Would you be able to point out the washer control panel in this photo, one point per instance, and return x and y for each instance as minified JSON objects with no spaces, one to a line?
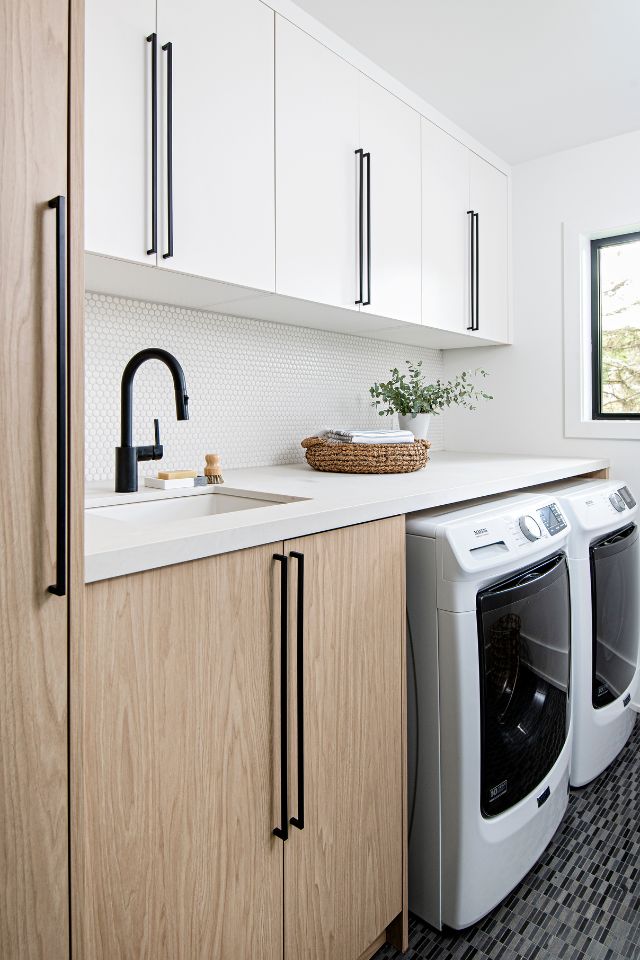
{"x":530,"y":527}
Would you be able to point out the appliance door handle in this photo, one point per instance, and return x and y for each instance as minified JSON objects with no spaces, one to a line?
{"x":472,"y":285}
{"x":282,"y":832}
{"x":476,"y":271}
{"x":299,"y":820}
{"x":59,"y":588}
{"x":168,"y":48}
{"x":360,"y":154}
{"x":153,"y":40}
{"x":367,"y":157}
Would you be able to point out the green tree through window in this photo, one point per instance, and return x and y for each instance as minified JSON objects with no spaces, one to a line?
{"x":615,"y":265}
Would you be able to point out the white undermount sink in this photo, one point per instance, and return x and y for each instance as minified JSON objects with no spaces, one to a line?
{"x":211,"y":503}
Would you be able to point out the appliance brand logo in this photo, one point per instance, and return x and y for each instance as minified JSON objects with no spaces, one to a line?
{"x":481,"y":531}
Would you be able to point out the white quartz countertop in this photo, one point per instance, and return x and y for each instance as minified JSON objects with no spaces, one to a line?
{"x":327,"y":500}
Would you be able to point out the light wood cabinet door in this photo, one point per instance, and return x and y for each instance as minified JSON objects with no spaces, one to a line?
{"x":317,"y":134}
{"x":222,"y":139}
{"x":178,"y":720}
{"x":118,"y":128}
{"x":37,"y":165}
{"x":390,"y":134}
{"x":344,"y":872}
{"x":445,"y":231}
{"x":489,"y":195}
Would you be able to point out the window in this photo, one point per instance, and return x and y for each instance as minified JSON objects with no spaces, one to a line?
{"x":615,"y":327}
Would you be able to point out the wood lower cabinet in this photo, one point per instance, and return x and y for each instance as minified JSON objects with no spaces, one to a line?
{"x":343,"y":874}
{"x":180,"y":761}
{"x":177,"y":786}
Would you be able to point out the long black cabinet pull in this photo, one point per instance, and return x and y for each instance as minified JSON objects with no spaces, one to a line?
{"x":153,"y":40}
{"x":168,"y":48}
{"x":299,"y":820}
{"x":472,"y":311}
{"x":365,"y":303}
{"x":282,"y":832}
{"x":59,"y":588}
{"x":360,"y":154}
{"x":476,"y":218}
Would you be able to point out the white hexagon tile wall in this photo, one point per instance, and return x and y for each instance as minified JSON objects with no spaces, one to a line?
{"x":256,"y":389}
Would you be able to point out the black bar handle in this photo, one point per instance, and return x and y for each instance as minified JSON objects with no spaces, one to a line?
{"x":472,"y":325}
{"x":360,"y":154}
{"x":282,"y":832}
{"x":476,"y":217}
{"x":59,"y":588}
{"x":299,"y":820}
{"x":153,"y":40}
{"x":168,"y":47}
{"x":365,"y":303}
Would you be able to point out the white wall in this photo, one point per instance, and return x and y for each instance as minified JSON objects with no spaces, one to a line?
{"x":597,"y":184}
{"x":256,"y":389}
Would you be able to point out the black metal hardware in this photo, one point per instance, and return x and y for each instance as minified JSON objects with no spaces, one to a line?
{"x":168,"y":47}
{"x":299,"y":820}
{"x":360,"y":153}
{"x":59,"y":588}
{"x":127,"y":456}
{"x":156,"y":431}
{"x":471,"y":326}
{"x":282,"y":832}
{"x":365,"y":303}
{"x":153,"y":40}
{"x":476,"y":218}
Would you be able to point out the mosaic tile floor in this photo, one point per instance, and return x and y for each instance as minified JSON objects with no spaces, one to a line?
{"x":581,"y":900}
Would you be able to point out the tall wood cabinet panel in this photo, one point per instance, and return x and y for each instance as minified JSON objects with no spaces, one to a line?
{"x":118,"y":128}
{"x":317,"y":133}
{"x":343,"y":874}
{"x":445,"y":230}
{"x":390,"y":133}
{"x":178,"y":783}
{"x":38,"y":243}
{"x":223,"y":139}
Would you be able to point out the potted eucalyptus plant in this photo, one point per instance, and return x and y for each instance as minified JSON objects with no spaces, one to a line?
{"x":415,"y":400}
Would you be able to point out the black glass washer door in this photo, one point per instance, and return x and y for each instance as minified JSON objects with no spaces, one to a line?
{"x":524,"y":633}
{"x":614,"y":595}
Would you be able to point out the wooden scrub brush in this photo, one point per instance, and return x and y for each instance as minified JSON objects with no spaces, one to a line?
{"x":213,"y":470}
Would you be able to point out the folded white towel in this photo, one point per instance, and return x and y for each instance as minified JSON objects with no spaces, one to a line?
{"x":370,"y":436}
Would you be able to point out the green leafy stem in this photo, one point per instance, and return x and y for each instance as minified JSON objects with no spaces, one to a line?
{"x":410,"y":394}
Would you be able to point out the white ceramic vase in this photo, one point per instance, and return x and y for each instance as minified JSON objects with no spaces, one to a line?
{"x":419,"y":425}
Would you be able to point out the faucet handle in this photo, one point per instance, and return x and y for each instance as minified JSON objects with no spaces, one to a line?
{"x":156,"y":430}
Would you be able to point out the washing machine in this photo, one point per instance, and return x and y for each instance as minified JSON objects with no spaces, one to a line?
{"x":604,"y":570}
{"x":489,"y":731}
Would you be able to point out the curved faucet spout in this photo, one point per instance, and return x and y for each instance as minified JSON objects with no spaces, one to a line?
{"x":128,"y":456}
{"x":126,"y":390}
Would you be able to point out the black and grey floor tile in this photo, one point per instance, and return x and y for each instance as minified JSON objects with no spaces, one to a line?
{"x":581,"y":900}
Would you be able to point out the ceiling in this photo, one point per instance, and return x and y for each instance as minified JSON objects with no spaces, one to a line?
{"x":524,"y":77}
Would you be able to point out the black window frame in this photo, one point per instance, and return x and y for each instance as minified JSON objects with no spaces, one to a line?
{"x":596,"y":327}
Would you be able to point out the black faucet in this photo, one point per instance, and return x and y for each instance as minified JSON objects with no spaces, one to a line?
{"x":127,"y":456}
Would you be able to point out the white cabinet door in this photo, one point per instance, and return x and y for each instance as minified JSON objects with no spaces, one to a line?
{"x":390,"y":133}
{"x":489,"y":198}
{"x":222,"y":139}
{"x":118,"y":128}
{"x":316,"y":170}
{"x":445,"y":230}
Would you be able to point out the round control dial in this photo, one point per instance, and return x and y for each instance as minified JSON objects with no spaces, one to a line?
{"x":530,"y":527}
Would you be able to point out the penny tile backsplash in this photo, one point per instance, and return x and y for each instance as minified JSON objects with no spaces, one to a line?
{"x":256,"y":389}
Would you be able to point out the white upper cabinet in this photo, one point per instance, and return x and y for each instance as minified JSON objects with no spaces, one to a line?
{"x":390,"y":139}
{"x":489,"y":199}
{"x":222,"y":140}
{"x":445,"y":231}
{"x":316,"y":170}
{"x":118,"y":128}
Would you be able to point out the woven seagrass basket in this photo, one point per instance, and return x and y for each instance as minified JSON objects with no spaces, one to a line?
{"x":332,"y":457}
